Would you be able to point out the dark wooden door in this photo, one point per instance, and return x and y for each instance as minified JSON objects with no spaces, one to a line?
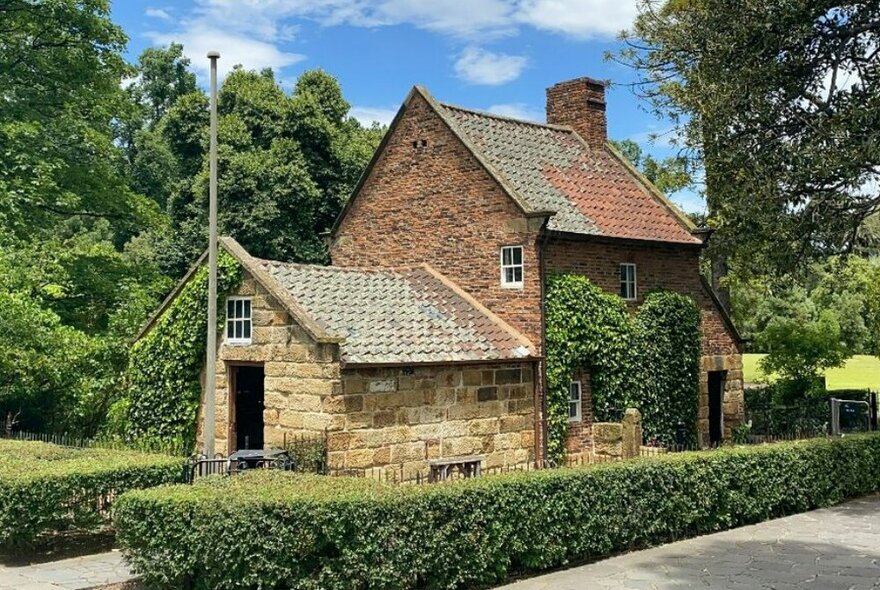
{"x":716,"y":406}
{"x":249,"y":397}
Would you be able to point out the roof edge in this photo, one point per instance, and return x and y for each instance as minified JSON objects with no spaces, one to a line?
{"x":450,"y":284}
{"x":234,"y":249}
{"x":312,"y":328}
{"x":652,"y":190}
{"x":369,"y":169}
{"x":488,"y":167}
{"x":725,"y":316}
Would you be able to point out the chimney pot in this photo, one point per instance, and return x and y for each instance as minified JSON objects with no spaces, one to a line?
{"x":580,"y":104}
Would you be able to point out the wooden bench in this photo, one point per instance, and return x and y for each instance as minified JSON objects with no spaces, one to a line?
{"x":442,"y":469}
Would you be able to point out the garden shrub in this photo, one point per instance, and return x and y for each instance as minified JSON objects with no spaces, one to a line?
{"x":163,"y":374}
{"x":286,"y":531}
{"x":45,"y":487}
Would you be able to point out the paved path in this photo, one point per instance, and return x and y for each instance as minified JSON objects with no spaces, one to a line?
{"x":831,"y":549}
{"x":76,"y":573}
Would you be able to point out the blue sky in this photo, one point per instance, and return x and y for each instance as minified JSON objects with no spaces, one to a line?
{"x":496,"y":55}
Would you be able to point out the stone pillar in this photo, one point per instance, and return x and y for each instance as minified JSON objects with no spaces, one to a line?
{"x":607,"y":440}
{"x":632,"y":433}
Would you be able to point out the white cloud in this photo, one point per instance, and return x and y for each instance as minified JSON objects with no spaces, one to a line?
{"x":367,"y":115}
{"x":479,"y":66}
{"x":234,"y":48}
{"x":157,"y":13}
{"x":578,"y":18}
{"x":517,"y":110}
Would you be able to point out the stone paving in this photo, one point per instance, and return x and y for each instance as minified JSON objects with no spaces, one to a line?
{"x":830,"y":549}
{"x":76,"y":573}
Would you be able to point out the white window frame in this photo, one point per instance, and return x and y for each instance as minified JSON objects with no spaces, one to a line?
{"x":232,"y":321}
{"x":579,"y":402}
{"x":625,"y":283}
{"x":521,"y":266}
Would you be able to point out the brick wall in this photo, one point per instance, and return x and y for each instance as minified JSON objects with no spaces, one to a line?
{"x":436,"y":204}
{"x":580,"y":104}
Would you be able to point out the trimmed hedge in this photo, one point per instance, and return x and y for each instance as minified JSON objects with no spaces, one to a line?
{"x":45,"y":487}
{"x":286,"y":531}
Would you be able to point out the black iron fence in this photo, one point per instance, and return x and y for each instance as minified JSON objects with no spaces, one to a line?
{"x":160,"y":447}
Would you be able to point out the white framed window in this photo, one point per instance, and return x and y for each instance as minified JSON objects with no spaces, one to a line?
{"x":628,"y":284}
{"x":512,"y":267}
{"x":574,"y":401}
{"x":238,"y":320}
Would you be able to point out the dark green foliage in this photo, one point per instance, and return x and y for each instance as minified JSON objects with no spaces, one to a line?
{"x":590,"y":329}
{"x":277,"y":530}
{"x":163,"y":375}
{"x":45,"y":487}
{"x":650,"y":362}
{"x":667,"y":337}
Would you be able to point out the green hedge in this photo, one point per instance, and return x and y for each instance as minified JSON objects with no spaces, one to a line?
{"x":285,"y":531}
{"x":44,"y":487}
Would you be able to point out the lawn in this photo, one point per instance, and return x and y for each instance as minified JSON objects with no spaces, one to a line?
{"x":860,"y":372}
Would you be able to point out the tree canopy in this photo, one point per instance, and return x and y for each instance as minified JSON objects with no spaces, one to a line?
{"x":779,"y":102}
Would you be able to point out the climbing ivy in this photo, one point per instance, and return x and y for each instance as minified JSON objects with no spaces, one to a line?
{"x":163,"y":374}
{"x":650,"y":361}
{"x":667,"y":336}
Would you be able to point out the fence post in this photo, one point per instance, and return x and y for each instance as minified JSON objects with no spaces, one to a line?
{"x":632,"y":433}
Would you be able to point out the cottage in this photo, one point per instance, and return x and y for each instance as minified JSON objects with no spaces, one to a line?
{"x":424,"y":338}
{"x":497,"y":204}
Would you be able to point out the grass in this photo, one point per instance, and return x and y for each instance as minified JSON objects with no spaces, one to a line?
{"x":859,"y":372}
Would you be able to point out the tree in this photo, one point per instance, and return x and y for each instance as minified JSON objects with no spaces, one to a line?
{"x":287,"y":165}
{"x":778,"y":101}
{"x":669,"y":175}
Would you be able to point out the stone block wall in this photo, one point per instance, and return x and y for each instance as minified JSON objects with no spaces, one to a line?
{"x":733,"y":404}
{"x":300,"y":376}
{"x":399,"y":417}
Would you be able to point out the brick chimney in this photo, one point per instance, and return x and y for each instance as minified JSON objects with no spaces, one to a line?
{"x":580,"y":104}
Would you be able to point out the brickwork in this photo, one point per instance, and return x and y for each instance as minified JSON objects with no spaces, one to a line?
{"x":435,"y":203}
{"x":580,"y":434}
{"x":405,"y":417}
{"x":580,"y":104}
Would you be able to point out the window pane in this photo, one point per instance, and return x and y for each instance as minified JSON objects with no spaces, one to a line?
{"x":247,"y":329}
{"x":508,"y":275}
{"x":238,"y":308}
{"x":572,"y":410}
{"x":230,"y":308}
{"x":506,"y":257}
{"x":247,"y":308}
{"x":624,"y":292}
{"x":517,"y":255}
{"x":230,"y":329}
{"x":237,"y":329}
{"x":517,"y":274}
{"x":575,"y":391}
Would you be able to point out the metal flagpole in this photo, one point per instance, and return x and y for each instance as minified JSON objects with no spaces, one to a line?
{"x":211,"y":364}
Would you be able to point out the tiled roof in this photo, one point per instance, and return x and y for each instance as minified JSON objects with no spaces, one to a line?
{"x":550,"y":168}
{"x":396,"y":315}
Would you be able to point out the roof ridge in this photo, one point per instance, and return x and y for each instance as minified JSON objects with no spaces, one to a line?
{"x":507,"y":118}
{"x":339,"y":268}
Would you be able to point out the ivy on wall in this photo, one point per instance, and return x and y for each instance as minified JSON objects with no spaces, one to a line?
{"x":165,"y":365}
{"x":650,"y":361}
{"x":667,"y":349}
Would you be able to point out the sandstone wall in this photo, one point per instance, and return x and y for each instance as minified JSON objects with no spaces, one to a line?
{"x":300,"y":376}
{"x":408,"y":416}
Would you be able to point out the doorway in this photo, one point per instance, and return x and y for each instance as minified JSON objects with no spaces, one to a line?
{"x":246,"y":419}
{"x":716,"y":406}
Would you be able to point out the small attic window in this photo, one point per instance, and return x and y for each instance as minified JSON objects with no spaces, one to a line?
{"x":512,"y":267}
{"x":419,"y":143}
{"x":238,"y":320}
